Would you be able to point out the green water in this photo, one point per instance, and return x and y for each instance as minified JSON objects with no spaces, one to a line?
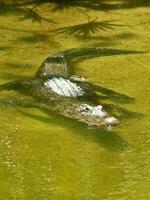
{"x":44,"y":156}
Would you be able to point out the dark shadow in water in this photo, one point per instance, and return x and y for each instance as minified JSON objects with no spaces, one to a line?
{"x":28,"y":10}
{"x":106,"y":41}
{"x":97,"y":92}
{"x":47,"y":36}
{"x":19,"y":30}
{"x":7,"y":9}
{"x":108,"y":139}
{"x":18,"y":65}
{"x":91,"y":4}
{"x":35,"y":38}
{"x":4,"y":48}
{"x":11,"y":76}
{"x":127,"y":4}
{"x":32,"y":37}
{"x":85,"y":4}
{"x":102,"y":93}
{"x":30,"y":14}
{"x":124,"y":36}
{"x":25,"y":12}
{"x":86,"y":30}
{"x":10,"y":101}
{"x":101,"y":5}
{"x":120,"y":112}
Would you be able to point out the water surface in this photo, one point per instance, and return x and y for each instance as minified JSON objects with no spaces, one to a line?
{"x":46,"y":156}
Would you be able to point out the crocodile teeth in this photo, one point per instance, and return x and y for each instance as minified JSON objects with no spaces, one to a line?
{"x":64,"y":87}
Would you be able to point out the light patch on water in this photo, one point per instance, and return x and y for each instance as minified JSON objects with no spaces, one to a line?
{"x":64,"y":87}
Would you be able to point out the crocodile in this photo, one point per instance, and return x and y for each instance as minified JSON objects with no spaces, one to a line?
{"x":55,"y":88}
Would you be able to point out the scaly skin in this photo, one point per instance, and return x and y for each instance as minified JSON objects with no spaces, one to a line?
{"x":66,"y":106}
{"x":56,"y":66}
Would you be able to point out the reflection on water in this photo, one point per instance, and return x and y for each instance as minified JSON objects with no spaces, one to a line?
{"x":45,"y":155}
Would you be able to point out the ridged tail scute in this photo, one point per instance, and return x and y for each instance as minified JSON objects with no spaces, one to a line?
{"x":54,"y":66}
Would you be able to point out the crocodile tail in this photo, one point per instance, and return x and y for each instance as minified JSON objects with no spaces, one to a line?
{"x":57,"y":65}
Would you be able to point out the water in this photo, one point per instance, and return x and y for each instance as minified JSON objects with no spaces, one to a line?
{"x":46,"y":156}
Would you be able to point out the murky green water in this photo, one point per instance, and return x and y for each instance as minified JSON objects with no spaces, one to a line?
{"x":45,"y":156}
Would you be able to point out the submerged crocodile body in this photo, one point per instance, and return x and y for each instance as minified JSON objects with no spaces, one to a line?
{"x":74,"y":98}
{"x":80,"y":108}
